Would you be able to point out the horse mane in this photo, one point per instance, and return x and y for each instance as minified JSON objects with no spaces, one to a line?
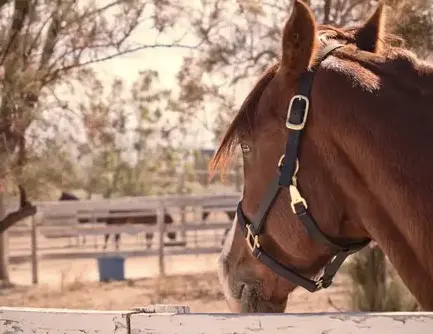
{"x":242,"y":123}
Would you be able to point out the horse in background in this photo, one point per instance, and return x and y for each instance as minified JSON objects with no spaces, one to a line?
{"x":142,"y":220}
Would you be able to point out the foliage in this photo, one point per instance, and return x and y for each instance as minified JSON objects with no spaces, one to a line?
{"x":413,"y":21}
{"x":47,"y":46}
{"x":129,"y":147}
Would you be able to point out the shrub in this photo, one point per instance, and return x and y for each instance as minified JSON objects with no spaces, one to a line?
{"x":375,"y":284}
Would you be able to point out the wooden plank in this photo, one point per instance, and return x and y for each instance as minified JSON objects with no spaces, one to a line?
{"x":77,"y":230}
{"x":15,"y":320}
{"x":131,"y":229}
{"x":306,"y":323}
{"x":201,"y":201}
{"x":139,"y":202}
{"x":181,"y":243}
{"x":174,"y":319}
{"x":196,"y":227}
{"x":171,"y":251}
{"x":65,"y":209}
{"x":68,"y":209}
{"x":219,"y":208}
{"x":115,"y":214}
{"x":57,"y":321}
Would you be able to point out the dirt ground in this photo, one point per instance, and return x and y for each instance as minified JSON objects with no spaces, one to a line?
{"x":191,"y":280}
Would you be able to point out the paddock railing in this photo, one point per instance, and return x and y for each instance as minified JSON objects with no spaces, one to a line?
{"x":167,"y":319}
{"x":59,"y":219}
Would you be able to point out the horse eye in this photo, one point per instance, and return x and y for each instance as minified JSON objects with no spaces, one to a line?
{"x":245,"y":148}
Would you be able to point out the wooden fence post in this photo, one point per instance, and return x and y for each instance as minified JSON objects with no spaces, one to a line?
{"x":199,"y":213}
{"x":183,"y":222}
{"x":161,"y":224}
{"x":4,"y":256}
{"x":34,"y":247}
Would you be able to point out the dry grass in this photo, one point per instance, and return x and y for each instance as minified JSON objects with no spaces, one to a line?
{"x":201,"y":292}
{"x":76,"y":294}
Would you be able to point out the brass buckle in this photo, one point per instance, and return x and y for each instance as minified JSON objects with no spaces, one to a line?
{"x":296,"y":198}
{"x":319,"y":284}
{"x":300,"y":126}
{"x":252,"y":240}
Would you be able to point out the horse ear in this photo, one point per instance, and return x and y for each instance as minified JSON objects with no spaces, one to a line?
{"x":370,"y":36}
{"x":299,"y":40}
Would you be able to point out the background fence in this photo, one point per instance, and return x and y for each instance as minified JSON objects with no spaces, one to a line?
{"x":58,"y":221}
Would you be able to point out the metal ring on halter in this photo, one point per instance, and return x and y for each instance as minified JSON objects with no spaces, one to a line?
{"x":280,"y":162}
{"x":296,"y":168}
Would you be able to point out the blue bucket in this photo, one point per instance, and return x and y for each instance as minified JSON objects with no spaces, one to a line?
{"x":111,"y":268}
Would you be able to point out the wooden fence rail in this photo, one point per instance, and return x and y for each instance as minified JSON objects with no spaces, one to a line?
{"x":60,"y":219}
{"x":167,"y":319}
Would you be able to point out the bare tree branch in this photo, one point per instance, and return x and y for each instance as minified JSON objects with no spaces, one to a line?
{"x":55,"y":74}
{"x":51,"y":37}
{"x":327,"y":11}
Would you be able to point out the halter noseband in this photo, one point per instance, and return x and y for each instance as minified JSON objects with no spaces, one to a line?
{"x":287,"y":178}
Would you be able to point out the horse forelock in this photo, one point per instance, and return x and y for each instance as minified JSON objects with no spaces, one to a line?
{"x":242,"y":124}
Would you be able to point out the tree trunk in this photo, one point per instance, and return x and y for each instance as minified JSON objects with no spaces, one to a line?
{"x":327,"y":12}
{"x":4,"y":272}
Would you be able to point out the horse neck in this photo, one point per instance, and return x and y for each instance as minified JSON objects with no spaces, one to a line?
{"x":382,"y":158}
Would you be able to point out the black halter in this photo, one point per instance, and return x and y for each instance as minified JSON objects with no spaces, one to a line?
{"x":286,"y":178}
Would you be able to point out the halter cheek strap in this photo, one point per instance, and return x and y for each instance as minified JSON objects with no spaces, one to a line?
{"x":287,"y":178}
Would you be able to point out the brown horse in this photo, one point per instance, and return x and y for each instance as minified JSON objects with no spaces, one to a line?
{"x":363,"y":171}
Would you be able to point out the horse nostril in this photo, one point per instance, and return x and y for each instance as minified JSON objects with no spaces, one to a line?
{"x":242,"y":290}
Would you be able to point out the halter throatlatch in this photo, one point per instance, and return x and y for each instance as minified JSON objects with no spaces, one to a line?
{"x":286,"y":177}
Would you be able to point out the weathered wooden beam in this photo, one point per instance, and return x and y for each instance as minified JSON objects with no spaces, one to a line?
{"x":173,"y":319}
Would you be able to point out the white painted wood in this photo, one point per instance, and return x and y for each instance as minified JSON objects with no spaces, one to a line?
{"x":175,"y":319}
{"x":57,"y":321}
{"x":329,"y":323}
